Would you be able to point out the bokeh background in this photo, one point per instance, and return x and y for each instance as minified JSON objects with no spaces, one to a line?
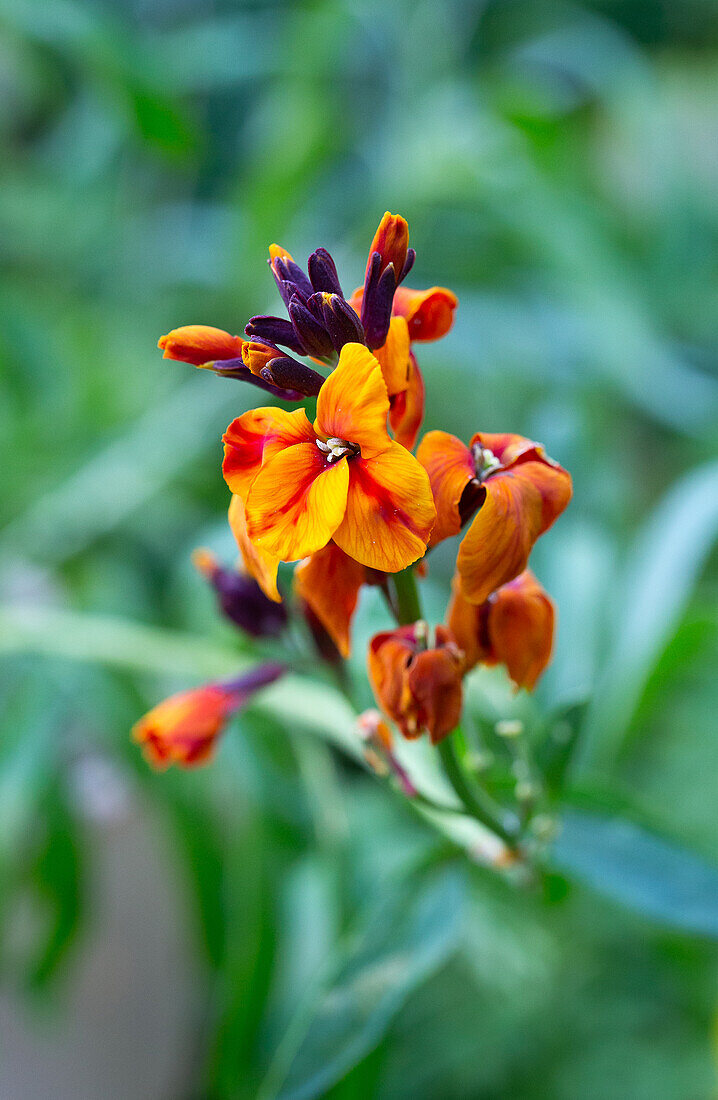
{"x":277,"y":924}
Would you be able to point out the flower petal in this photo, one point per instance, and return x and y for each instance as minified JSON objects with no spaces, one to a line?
{"x":296,"y":502}
{"x":450,"y":467}
{"x":429,"y":313}
{"x":521,"y":629}
{"x":434,"y":679}
{"x":407,"y":409}
{"x":353,"y":403}
{"x":258,"y":563}
{"x":519,"y":505}
{"x":329,"y":582}
{"x":389,"y":513}
{"x":254,"y":437}
{"x":509,"y":448}
{"x":393,"y":356}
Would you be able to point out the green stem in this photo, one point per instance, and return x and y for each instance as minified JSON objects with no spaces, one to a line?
{"x":471,"y":799}
{"x":408,"y":604}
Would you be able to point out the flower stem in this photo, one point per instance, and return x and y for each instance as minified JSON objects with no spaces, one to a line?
{"x":408,"y":605}
{"x":471,"y":799}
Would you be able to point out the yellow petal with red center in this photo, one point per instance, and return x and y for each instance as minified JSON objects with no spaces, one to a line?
{"x":353,"y":403}
{"x":407,"y":409}
{"x":254,"y":437}
{"x":450,"y":467}
{"x":393,"y":356}
{"x":519,"y":505}
{"x":521,"y":629}
{"x":389,"y":513}
{"x":429,"y":313}
{"x":296,"y":502}
{"x":258,"y":563}
{"x":198,"y":344}
{"x":329,"y":582}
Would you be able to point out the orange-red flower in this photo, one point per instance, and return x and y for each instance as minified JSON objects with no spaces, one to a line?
{"x":419,"y":688}
{"x":514,"y":627}
{"x":200,"y":344}
{"x":184,"y":728}
{"x":342,"y":478}
{"x":515,"y":490}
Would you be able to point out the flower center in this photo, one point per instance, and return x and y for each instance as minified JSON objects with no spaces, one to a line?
{"x":485,"y":461}
{"x":335,"y":449}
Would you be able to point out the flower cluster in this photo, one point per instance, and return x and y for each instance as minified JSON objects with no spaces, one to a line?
{"x":333,"y":485}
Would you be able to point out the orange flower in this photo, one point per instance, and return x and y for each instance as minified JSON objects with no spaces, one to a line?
{"x":200,"y":344}
{"x":514,"y":627}
{"x":515,"y":490}
{"x":418,"y":688}
{"x":342,"y":478}
{"x":184,"y":728}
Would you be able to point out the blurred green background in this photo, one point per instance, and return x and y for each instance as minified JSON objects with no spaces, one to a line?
{"x":278,"y":925}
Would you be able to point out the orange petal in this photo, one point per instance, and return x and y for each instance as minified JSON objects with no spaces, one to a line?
{"x":521,"y":629}
{"x":258,"y":563}
{"x":393,"y":356}
{"x":509,"y":448}
{"x":388,"y":659}
{"x":198,"y":344}
{"x":391,"y":241}
{"x":468,"y":624}
{"x":353,"y":402}
{"x":184,"y":728}
{"x":329,"y":582}
{"x":450,"y":467}
{"x":296,"y":502}
{"x":519,"y":505}
{"x":254,"y":437}
{"x":407,"y":409}
{"x":277,"y":252}
{"x":390,"y":511}
{"x":434,"y":680}
{"x":429,"y":313}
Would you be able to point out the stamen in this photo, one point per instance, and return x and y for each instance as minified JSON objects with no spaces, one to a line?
{"x":335,"y":449}
{"x":485,"y":461}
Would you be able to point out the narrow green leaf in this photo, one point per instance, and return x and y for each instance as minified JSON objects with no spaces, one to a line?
{"x":639,"y":869}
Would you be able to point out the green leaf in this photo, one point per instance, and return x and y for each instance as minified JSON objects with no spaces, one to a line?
{"x":403,"y":946}
{"x":667,"y":559}
{"x":639,"y":869}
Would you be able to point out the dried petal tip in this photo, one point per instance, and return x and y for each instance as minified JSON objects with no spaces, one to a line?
{"x":200,"y":344}
{"x":240,"y":598}
{"x":184,"y":729}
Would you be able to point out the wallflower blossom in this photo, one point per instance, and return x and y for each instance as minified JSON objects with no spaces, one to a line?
{"x":513,"y":627}
{"x":240,"y":597}
{"x":418,"y":687}
{"x":184,"y":728}
{"x":342,"y":478}
{"x":214,"y":349}
{"x":510,"y":486}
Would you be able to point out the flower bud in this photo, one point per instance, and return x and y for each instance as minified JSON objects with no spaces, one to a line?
{"x":323,"y":272}
{"x":240,"y":598}
{"x":184,"y":729}
{"x":199,"y":344}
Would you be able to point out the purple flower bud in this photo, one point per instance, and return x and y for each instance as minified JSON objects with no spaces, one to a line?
{"x":377,"y":301}
{"x":287,"y":373}
{"x":323,"y":272}
{"x":241,"y":599}
{"x":312,"y":334}
{"x":276,"y":330}
{"x":340,"y":320}
{"x":235,"y":368}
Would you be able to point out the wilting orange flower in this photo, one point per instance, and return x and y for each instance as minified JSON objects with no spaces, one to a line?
{"x":515,"y":490}
{"x":329,"y":583}
{"x":184,"y":728}
{"x":514,"y":627}
{"x":200,"y":344}
{"x":419,"y":688}
{"x":342,"y":478}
